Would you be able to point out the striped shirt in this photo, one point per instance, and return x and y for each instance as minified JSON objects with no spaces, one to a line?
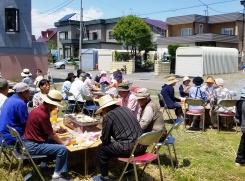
{"x":121,"y":124}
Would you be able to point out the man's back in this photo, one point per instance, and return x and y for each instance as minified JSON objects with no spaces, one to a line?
{"x":78,"y":88}
{"x":122,"y":125}
{"x":219,"y":94}
{"x":14,"y":112}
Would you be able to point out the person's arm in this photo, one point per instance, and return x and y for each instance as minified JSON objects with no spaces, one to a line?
{"x":181,"y":90}
{"x":106,"y":131}
{"x":171,"y":95}
{"x":22,"y":113}
{"x":35,"y":100}
{"x":55,"y":137}
{"x":146,"y":117}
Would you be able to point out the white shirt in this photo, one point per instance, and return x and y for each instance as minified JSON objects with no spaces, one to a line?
{"x":2,"y":100}
{"x":78,"y":88}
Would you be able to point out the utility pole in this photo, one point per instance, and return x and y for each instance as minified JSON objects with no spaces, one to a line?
{"x":81,"y":36}
{"x":242,"y":56}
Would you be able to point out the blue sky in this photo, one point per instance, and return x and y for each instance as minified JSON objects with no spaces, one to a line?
{"x":46,"y":12}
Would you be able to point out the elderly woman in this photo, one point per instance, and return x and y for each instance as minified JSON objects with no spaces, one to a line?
{"x":44,"y":89}
{"x":209,"y":87}
{"x":185,"y":87}
{"x":26,"y":74}
{"x":168,"y":95}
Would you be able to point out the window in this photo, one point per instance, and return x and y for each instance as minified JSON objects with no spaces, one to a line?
{"x":63,"y":35}
{"x":227,"y":31}
{"x":95,"y":35}
{"x":111,"y":35}
{"x":11,"y":20}
{"x":186,"y":31}
{"x":200,"y":28}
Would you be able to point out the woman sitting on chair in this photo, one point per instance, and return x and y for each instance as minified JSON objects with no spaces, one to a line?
{"x":167,"y":93}
{"x":44,"y":87}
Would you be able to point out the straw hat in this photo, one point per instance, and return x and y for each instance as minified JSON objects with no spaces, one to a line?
{"x":185,"y":78}
{"x":172,"y":80}
{"x":106,"y":101}
{"x":26,"y":73}
{"x":54,"y":97}
{"x":210,"y":80}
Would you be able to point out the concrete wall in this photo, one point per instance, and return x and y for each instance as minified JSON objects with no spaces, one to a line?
{"x":130,"y":66}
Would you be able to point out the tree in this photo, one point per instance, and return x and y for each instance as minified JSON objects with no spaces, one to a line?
{"x":51,"y":45}
{"x":133,"y":32}
{"x":172,"y":51}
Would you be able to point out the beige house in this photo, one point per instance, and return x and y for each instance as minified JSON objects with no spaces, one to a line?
{"x":225,"y":30}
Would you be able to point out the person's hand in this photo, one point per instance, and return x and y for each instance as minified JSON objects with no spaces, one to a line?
{"x":206,"y":87}
{"x":182,"y":99}
{"x":67,"y":142}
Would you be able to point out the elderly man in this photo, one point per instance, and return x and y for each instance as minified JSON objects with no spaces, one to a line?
{"x":129,"y":100}
{"x":220,"y":93}
{"x":39,"y":131}
{"x":120,"y":124}
{"x":15,"y":112}
{"x":78,"y":89}
{"x":151,"y":118}
{"x":4,"y":87}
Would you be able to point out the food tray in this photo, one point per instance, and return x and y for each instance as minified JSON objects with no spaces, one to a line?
{"x":75,"y":122}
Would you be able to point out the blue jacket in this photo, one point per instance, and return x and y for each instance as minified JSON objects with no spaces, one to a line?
{"x":15,"y":113}
{"x":168,"y":94}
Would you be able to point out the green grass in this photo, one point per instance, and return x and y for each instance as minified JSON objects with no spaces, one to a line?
{"x":202,"y":156}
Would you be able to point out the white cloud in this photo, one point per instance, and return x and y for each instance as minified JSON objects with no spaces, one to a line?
{"x":41,"y":22}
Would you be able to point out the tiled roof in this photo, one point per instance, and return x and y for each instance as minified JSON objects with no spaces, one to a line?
{"x":156,"y":23}
{"x":49,"y":33}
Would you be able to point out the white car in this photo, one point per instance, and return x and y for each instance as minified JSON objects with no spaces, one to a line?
{"x":61,"y":63}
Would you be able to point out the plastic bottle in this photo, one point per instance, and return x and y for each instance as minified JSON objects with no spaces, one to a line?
{"x":53,"y":116}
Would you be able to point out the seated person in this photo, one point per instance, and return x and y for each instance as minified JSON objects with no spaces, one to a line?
{"x":44,"y":87}
{"x":67,"y":85}
{"x":26,"y":74}
{"x":15,"y":112}
{"x":168,"y":94}
{"x":220,"y":93}
{"x":104,"y":79}
{"x":97,"y":79}
{"x":114,"y":73}
{"x":185,"y":87}
{"x":4,"y":88}
{"x":129,"y":100}
{"x":119,"y":123}
{"x":87,"y":81}
{"x":41,"y":139}
{"x":197,"y":92}
{"x":151,"y":118}
{"x":240,"y":118}
{"x":209,"y":87}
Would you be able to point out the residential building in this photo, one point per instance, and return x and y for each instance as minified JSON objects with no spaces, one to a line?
{"x":224,"y":30}
{"x":97,"y":34}
{"x":49,"y":34}
{"x":17,"y":50}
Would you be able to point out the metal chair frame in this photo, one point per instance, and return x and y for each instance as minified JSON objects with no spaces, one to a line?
{"x":68,"y":94}
{"x":5,"y":148}
{"x":227,"y":104}
{"x":160,"y":97}
{"x":20,"y":153}
{"x":147,"y":139}
{"x":194,"y":102}
{"x":169,"y":141}
{"x":89,"y":108}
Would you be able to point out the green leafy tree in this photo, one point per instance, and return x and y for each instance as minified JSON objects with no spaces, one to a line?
{"x":131,"y":31}
{"x":51,"y":45}
{"x":172,"y":51}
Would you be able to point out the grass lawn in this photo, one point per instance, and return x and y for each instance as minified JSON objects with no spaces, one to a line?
{"x":202,"y":156}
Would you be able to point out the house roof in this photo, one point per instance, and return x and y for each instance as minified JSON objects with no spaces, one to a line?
{"x":47,"y":35}
{"x":156,"y":23}
{"x":203,"y":19}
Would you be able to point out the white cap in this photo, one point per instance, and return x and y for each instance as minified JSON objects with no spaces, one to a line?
{"x":103,"y":72}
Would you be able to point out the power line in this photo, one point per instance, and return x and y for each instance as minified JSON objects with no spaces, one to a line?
{"x":52,"y":8}
{"x":211,"y":8}
{"x":177,"y":9}
{"x":55,"y":10}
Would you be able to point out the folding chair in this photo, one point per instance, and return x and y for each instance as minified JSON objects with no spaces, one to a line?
{"x":194,"y":102}
{"x":147,"y":139}
{"x":21,"y":153}
{"x":76,"y":103}
{"x":226,"y":104}
{"x":169,"y":140}
{"x":90,"y":108}
{"x":5,"y":148}
{"x":164,"y":105}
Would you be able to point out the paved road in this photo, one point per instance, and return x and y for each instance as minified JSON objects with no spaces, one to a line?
{"x":150,"y":81}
